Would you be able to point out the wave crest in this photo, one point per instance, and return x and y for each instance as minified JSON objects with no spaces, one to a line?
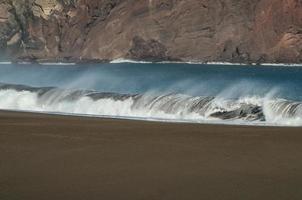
{"x":171,"y":106}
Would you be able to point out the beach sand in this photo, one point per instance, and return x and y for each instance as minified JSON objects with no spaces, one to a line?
{"x":61,"y":157}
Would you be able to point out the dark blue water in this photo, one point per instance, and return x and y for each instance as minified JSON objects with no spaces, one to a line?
{"x":197,"y":80}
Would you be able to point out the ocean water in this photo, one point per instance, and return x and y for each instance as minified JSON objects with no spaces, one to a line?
{"x":199,"y":93}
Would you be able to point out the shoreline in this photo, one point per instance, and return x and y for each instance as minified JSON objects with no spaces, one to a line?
{"x":70,"y":157}
{"x":154,"y":120}
{"x":126,"y":61}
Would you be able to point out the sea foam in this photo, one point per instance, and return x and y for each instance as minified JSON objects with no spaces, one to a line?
{"x":166,"y":107}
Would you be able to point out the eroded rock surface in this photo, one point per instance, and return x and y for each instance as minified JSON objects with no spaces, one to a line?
{"x":192,"y":30}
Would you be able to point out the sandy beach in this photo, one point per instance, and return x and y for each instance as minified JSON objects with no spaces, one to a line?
{"x":61,"y":157}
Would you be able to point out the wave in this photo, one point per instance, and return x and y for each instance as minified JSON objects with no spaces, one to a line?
{"x":57,"y":63}
{"x":40,"y":63}
{"x":5,"y":63}
{"x":173,"y":106}
{"x":121,"y":60}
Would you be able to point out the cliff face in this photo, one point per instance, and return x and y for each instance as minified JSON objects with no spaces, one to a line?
{"x":187,"y":30}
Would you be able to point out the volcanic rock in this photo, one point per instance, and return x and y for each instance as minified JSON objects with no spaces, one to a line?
{"x":242,"y":31}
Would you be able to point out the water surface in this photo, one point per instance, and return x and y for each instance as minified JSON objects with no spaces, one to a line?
{"x":180,"y":92}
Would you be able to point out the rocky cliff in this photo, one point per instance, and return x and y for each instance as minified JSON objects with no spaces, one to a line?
{"x":185,"y":30}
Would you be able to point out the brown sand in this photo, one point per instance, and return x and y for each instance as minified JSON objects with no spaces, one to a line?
{"x":56,"y":157}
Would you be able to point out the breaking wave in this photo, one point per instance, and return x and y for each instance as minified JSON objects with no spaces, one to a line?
{"x":121,"y":60}
{"x":172,"y":106}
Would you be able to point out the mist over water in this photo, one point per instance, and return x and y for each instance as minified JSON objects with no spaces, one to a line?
{"x":179,"y":92}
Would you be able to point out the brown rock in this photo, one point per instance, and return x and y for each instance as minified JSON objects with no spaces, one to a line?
{"x":193,"y":30}
{"x":150,"y":50}
{"x":4,"y":14}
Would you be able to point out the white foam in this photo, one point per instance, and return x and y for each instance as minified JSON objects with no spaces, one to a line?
{"x":56,"y":63}
{"x":121,"y":60}
{"x":5,"y":63}
{"x":42,"y":63}
{"x":276,"y":111}
{"x":282,"y":64}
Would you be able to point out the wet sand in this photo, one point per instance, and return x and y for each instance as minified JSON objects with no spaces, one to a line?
{"x":56,"y":157}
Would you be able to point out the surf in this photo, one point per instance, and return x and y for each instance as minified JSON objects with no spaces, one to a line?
{"x":171,"y":106}
{"x":269,"y":95}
